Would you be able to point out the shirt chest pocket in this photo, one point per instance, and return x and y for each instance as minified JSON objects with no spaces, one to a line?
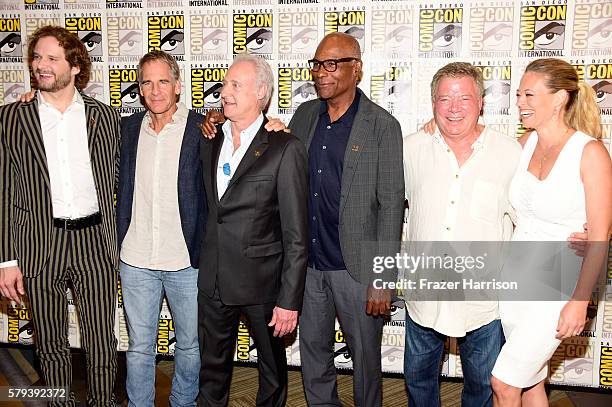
{"x":484,"y":204}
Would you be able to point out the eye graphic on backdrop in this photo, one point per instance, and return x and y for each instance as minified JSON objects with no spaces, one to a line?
{"x":130,"y":96}
{"x":131,"y":43}
{"x":212,"y":96}
{"x":304,"y":92}
{"x":342,"y":355}
{"x":601,"y":35}
{"x":548,"y":36}
{"x":304,"y":39}
{"x":172,"y":40}
{"x":91,"y":41}
{"x":392,"y":354}
{"x":580,"y":370}
{"x":603,"y":90}
{"x":94,"y":90}
{"x":215,"y":41}
{"x":399,"y":37}
{"x":496,"y":92}
{"x":9,"y":44}
{"x":356,"y":32}
{"x":498,"y":37}
{"x":259,"y":42}
{"x":446,"y":36}
{"x":13,"y":93}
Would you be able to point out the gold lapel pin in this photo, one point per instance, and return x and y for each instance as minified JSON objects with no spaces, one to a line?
{"x":355,"y":148}
{"x":257,"y":153}
{"x":92,"y":122}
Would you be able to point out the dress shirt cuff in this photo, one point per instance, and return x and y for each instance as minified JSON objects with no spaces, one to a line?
{"x":11,"y":263}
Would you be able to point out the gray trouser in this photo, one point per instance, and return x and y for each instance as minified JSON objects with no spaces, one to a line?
{"x":328,"y":293}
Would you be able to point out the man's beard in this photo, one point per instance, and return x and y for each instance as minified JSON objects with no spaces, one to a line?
{"x":58,"y":84}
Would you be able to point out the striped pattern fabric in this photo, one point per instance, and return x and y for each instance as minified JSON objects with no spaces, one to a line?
{"x":25,"y":210}
{"x":49,"y":258}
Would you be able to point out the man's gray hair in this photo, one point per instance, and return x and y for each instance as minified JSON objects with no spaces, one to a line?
{"x":263,"y":75}
{"x":457,"y":70}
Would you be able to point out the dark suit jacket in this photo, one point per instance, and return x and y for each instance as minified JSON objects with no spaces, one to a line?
{"x":26,"y":214}
{"x":255,"y":249}
{"x":372,"y":190}
{"x":192,"y":201}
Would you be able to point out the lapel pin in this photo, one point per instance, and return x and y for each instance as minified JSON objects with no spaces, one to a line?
{"x":257,"y":153}
{"x":92,"y":122}
{"x":355,"y":148}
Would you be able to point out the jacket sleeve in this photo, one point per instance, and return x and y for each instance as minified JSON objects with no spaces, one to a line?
{"x":292,"y":189}
{"x":7,"y":250}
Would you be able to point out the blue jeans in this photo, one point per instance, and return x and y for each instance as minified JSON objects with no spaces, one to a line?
{"x":423,"y":356}
{"x":143,"y":291}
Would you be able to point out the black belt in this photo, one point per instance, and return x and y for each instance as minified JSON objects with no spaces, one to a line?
{"x":78,"y":224}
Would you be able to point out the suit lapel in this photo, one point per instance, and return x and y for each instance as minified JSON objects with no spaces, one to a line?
{"x":257,"y":148}
{"x":362,"y":126}
{"x":217,"y":142}
{"x":91,"y":121}
{"x":30,"y":123}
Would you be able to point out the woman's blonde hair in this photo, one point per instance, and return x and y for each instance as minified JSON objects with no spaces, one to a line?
{"x":581,"y":110}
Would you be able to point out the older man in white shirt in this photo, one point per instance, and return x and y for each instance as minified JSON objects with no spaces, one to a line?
{"x":457,"y":189}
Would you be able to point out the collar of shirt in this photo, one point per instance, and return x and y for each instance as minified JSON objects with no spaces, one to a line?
{"x":178,"y":118}
{"x":350,"y":113}
{"x":477,"y":145}
{"x":247,"y":135}
{"x":76,"y":99}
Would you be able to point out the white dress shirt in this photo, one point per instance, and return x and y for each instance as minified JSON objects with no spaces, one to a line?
{"x":451,"y":203}
{"x":231,"y":157}
{"x":73,"y":191}
{"x":155,"y":239}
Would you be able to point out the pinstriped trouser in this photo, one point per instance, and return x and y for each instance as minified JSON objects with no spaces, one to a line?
{"x":77,"y":256}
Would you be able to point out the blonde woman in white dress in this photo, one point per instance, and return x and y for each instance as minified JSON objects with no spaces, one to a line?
{"x":564,"y":179}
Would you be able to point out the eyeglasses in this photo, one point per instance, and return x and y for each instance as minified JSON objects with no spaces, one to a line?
{"x":330,"y":65}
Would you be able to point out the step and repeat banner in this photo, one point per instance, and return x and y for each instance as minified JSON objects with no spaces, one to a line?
{"x":403,"y":42}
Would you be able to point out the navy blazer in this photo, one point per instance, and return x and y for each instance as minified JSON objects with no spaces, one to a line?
{"x":192,"y":199}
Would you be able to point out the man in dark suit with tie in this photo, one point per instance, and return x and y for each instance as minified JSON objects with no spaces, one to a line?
{"x":255,"y":251}
{"x":58,"y":160}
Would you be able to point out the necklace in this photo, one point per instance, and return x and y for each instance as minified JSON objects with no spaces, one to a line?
{"x":551,"y":149}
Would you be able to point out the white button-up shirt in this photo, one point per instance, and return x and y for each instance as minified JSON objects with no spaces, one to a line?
{"x":231,"y":157}
{"x":155,"y":237}
{"x":73,"y":191}
{"x":451,"y":203}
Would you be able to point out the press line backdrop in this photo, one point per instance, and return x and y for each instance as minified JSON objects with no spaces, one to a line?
{"x":403,"y":42}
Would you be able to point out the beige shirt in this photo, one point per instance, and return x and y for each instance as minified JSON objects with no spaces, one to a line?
{"x":451,"y":203}
{"x":155,"y":237}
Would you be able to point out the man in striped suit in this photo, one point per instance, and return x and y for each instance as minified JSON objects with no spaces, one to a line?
{"x":58,"y":160}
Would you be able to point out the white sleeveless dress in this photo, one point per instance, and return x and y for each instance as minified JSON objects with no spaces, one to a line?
{"x":548,"y":210}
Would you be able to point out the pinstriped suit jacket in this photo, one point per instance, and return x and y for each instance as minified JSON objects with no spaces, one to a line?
{"x":372,"y":185}
{"x":26,"y":213}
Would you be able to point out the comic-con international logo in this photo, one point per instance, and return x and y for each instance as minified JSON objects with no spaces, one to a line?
{"x":123,"y":90}
{"x":297,"y":34}
{"x":245,"y":346}
{"x":497,"y":88}
{"x":89,"y":31}
{"x":206,"y":84}
{"x":252,"y":33}
{"x":83,"y":4}
{"x":12,"y":84}
{"x":391,"y":33}
{"x":33,"y":23}
{"x":166,"y":32}
{"x":295,"y":86}
{"x":491,"y":31}
{"x":390,"y":87}
{"x":95,"y":86}
{"x":599,"y":76}
{"x":605,"y":366}
{"x":124,"y":3}
{"x":20,"y":327}
{"x":440,"y":31}
{"x":351,"y":22}
{"x":10,"y":40}
{"x":41,"y":4}
{"x":342,"y":355}
{"x":592,"y":33}
{"x":542,"y":30}
{"x":124,"y":37}
{"x":572,"y":362}
{"x":166,"y":338}
{"x":208,"y":36}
